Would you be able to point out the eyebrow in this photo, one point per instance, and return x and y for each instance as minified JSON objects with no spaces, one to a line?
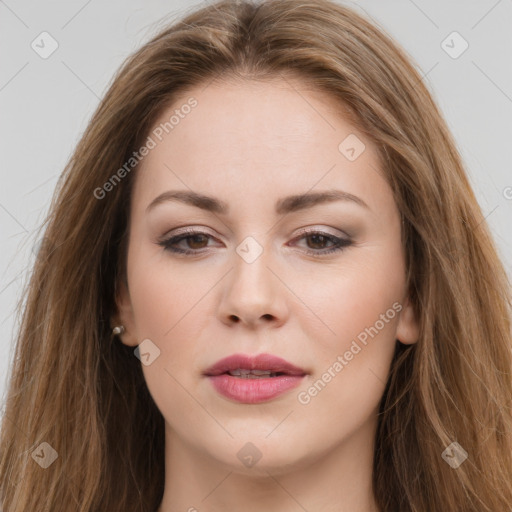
{"x":284,"y":205}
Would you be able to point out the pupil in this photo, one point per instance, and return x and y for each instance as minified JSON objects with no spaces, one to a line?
{"x":196,"y":239}
{"x":317,"y":237}
{"x":200,"y":239}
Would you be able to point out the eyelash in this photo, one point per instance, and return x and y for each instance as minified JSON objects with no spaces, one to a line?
{"x":339,"y":243}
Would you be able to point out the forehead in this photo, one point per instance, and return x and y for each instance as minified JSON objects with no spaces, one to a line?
{"x":257,"y":137}
{"x":235,"y":117}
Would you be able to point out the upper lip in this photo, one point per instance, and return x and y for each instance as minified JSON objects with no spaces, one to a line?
{"x":260,"y":362}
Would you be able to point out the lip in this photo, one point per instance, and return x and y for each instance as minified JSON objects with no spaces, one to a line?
{"x":259,"y":362}
{"x":253,"y":391}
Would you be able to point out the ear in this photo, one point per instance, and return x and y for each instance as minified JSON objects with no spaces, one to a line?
{"x":408,"y":330}
{"x":124,"y":315}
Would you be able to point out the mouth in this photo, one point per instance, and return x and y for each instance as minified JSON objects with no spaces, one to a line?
{"x":252,"y":380}
{"x":243,"y":373}
{"x":254,"y":367}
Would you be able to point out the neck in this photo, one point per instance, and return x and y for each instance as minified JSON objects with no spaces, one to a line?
{"x":337,"y":481}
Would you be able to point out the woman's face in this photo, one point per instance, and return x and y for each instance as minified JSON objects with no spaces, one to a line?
{"x":272,"y":267}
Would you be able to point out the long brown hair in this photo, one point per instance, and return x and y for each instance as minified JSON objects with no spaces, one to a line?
{"x":76,"y":388}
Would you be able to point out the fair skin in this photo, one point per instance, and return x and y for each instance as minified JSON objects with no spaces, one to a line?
{"x":249,"y":144}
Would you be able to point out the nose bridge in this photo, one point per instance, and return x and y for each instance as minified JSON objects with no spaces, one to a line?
{"x":252,"y":291}
{"x":251,"y":276}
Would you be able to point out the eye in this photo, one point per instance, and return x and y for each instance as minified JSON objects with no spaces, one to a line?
{"x":196,"y":241}
{"x":318,"y":240}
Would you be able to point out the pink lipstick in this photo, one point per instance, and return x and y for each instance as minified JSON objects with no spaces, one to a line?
{"x":254,"y":379}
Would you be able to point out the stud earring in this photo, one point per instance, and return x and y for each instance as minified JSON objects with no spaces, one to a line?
{"x":118,"y":329}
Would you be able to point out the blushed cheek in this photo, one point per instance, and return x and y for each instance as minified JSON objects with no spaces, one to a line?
{"x":155,"y":308}
{"x":352,"y":371}
{"x":160,"y":293}
{"x":171,"y":309}
{"x":350,"y":304}
{"x":362,"y":310}
{"x":366,"y":337}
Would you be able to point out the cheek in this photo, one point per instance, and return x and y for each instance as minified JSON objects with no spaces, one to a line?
{"x":167,"y":308}
{"x":354,"y":328}
{"x":351,"y":365}
{"x":352,"y":295}
{"x":172,"y":307}
{"x":362,"y":323}
{"x":165,"y":294}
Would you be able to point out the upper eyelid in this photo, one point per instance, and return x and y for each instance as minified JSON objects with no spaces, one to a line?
{"x":339,"y":243}
{"x":190,"y":232}
{"x":303,"y":231}
{"x":313,"y":229}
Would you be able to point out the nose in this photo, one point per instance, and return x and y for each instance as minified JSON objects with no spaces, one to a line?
{"x":253,"y":294}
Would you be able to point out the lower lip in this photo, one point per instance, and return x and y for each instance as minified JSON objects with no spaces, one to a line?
{"x":254,"y":391}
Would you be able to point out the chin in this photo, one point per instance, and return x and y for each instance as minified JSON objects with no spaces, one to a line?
{"x":257,"y":456}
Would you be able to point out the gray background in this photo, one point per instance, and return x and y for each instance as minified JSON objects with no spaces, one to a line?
{"x":47,"y":103}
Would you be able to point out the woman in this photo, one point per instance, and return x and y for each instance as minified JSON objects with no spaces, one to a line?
{"x":265,"y":283}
